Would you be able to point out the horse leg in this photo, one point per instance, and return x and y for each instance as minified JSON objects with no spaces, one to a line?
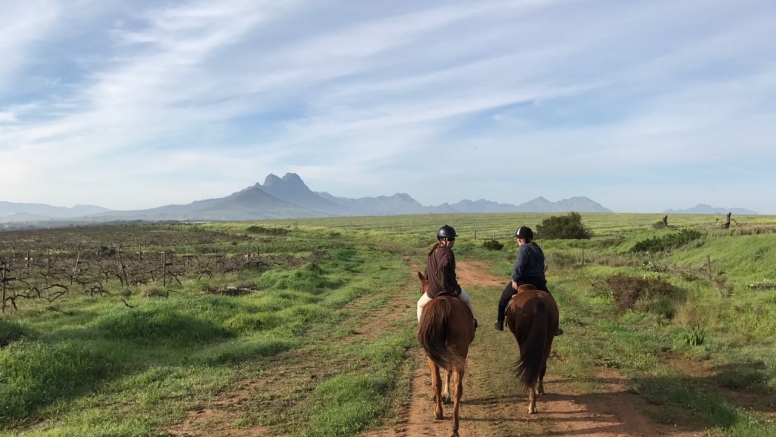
{"x":540,"y":389}
{"x":436,"y":386}
{"x":446,"y":398}
{"x":531,"y":400}
{"x":457,"y":392}
{"x":544,"y":365}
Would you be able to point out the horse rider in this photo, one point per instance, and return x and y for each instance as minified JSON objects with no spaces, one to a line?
{"x":528,"y":269}
{"x":440,"y":271}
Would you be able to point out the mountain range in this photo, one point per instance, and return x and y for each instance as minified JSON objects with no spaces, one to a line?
{"x":702,"y":208}
{"x":286,"y":197}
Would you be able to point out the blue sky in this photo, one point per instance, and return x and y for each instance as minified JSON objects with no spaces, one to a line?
{"x":641,"y":106}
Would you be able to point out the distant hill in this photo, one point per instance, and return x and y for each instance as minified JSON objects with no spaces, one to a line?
{"x":23,"y":217}
{"x":702,"y":208}
{"x":482,"y":205}
{"x":286,"y":197}
{"x":578,"y":204}
{"x":43,"y":210}
{"x":399,"y":203}
{"x":251,"y":203}
{"x":540,"y":204}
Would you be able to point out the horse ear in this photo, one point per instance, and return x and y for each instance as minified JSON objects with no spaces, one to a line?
{"x":421,"y":277}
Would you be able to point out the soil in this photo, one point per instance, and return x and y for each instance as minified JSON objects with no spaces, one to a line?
{"x":488,"y":409}
{"x":492,"y":405}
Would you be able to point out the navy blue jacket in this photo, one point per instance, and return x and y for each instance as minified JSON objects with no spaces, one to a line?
{"x":529,"y":263}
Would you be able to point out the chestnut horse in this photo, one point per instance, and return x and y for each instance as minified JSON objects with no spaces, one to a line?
{"x":532,"y":316}
{"x":445,"y":331}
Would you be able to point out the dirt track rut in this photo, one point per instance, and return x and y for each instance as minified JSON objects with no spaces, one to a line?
{"x":493,"y":406}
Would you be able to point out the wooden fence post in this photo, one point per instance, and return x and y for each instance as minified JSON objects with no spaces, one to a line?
{"x":124,"y":280}
{"x":164,"y":269}
{"x":75,"y":269}
{"x":4,"y":278}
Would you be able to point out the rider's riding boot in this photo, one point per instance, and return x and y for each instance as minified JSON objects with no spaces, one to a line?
{"x":498,"y":326}
{"x":558,"y":332}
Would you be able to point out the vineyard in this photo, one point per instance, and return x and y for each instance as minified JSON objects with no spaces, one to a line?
{"x":48,"y":264}
{"x":306,"y":328}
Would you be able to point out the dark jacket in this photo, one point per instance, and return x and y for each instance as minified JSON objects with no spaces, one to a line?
{"x":440,"y":272}
{"x":529,"y":264}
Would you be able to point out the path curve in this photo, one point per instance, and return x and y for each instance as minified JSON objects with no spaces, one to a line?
{"x":487,"y":411}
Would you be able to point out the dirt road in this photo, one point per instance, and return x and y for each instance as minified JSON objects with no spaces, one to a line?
{"x":492,"y":404}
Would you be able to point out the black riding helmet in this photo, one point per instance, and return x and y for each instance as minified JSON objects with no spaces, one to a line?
{"x":524,"y":232}
{"x":446,"y":231}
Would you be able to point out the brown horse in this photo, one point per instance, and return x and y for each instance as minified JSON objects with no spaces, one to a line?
{"x":532,"y":316}
{"x":445,"y":331}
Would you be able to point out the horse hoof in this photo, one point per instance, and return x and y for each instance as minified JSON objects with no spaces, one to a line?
{"x":439,"y":416}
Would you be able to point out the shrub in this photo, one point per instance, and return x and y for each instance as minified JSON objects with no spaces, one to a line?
{"x":568,"y":227}
{"x":644,"y":294}
{"x":666,"y":242}
{"x":492,"y":245}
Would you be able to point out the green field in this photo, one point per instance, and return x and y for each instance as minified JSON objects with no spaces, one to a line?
{"x":292,"y":352}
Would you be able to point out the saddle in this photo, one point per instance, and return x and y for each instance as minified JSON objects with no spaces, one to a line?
{"x":454,"y":294}
{"x":523,"y":287}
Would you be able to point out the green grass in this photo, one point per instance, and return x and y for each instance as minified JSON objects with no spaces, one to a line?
{"x":100,"y":366}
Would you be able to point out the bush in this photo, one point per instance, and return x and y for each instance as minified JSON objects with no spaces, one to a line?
{"x":492,"y":245}
{"x":644,"y":294}
{"x":666,"y":242}
{"x":568,"y":227}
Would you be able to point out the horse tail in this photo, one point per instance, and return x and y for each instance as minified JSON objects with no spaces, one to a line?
{"x":529,"y":366}
{"x":432,"y":334}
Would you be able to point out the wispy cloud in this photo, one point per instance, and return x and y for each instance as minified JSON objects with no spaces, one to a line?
{"x":169,"y":102}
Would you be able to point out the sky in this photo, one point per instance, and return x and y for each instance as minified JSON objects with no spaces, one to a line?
{"x":640,"y":106}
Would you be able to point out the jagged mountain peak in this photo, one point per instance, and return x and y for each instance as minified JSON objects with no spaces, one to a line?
{"x":271,"y":180}
{"x":293,"y":178}
{"x":404,"y":196}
